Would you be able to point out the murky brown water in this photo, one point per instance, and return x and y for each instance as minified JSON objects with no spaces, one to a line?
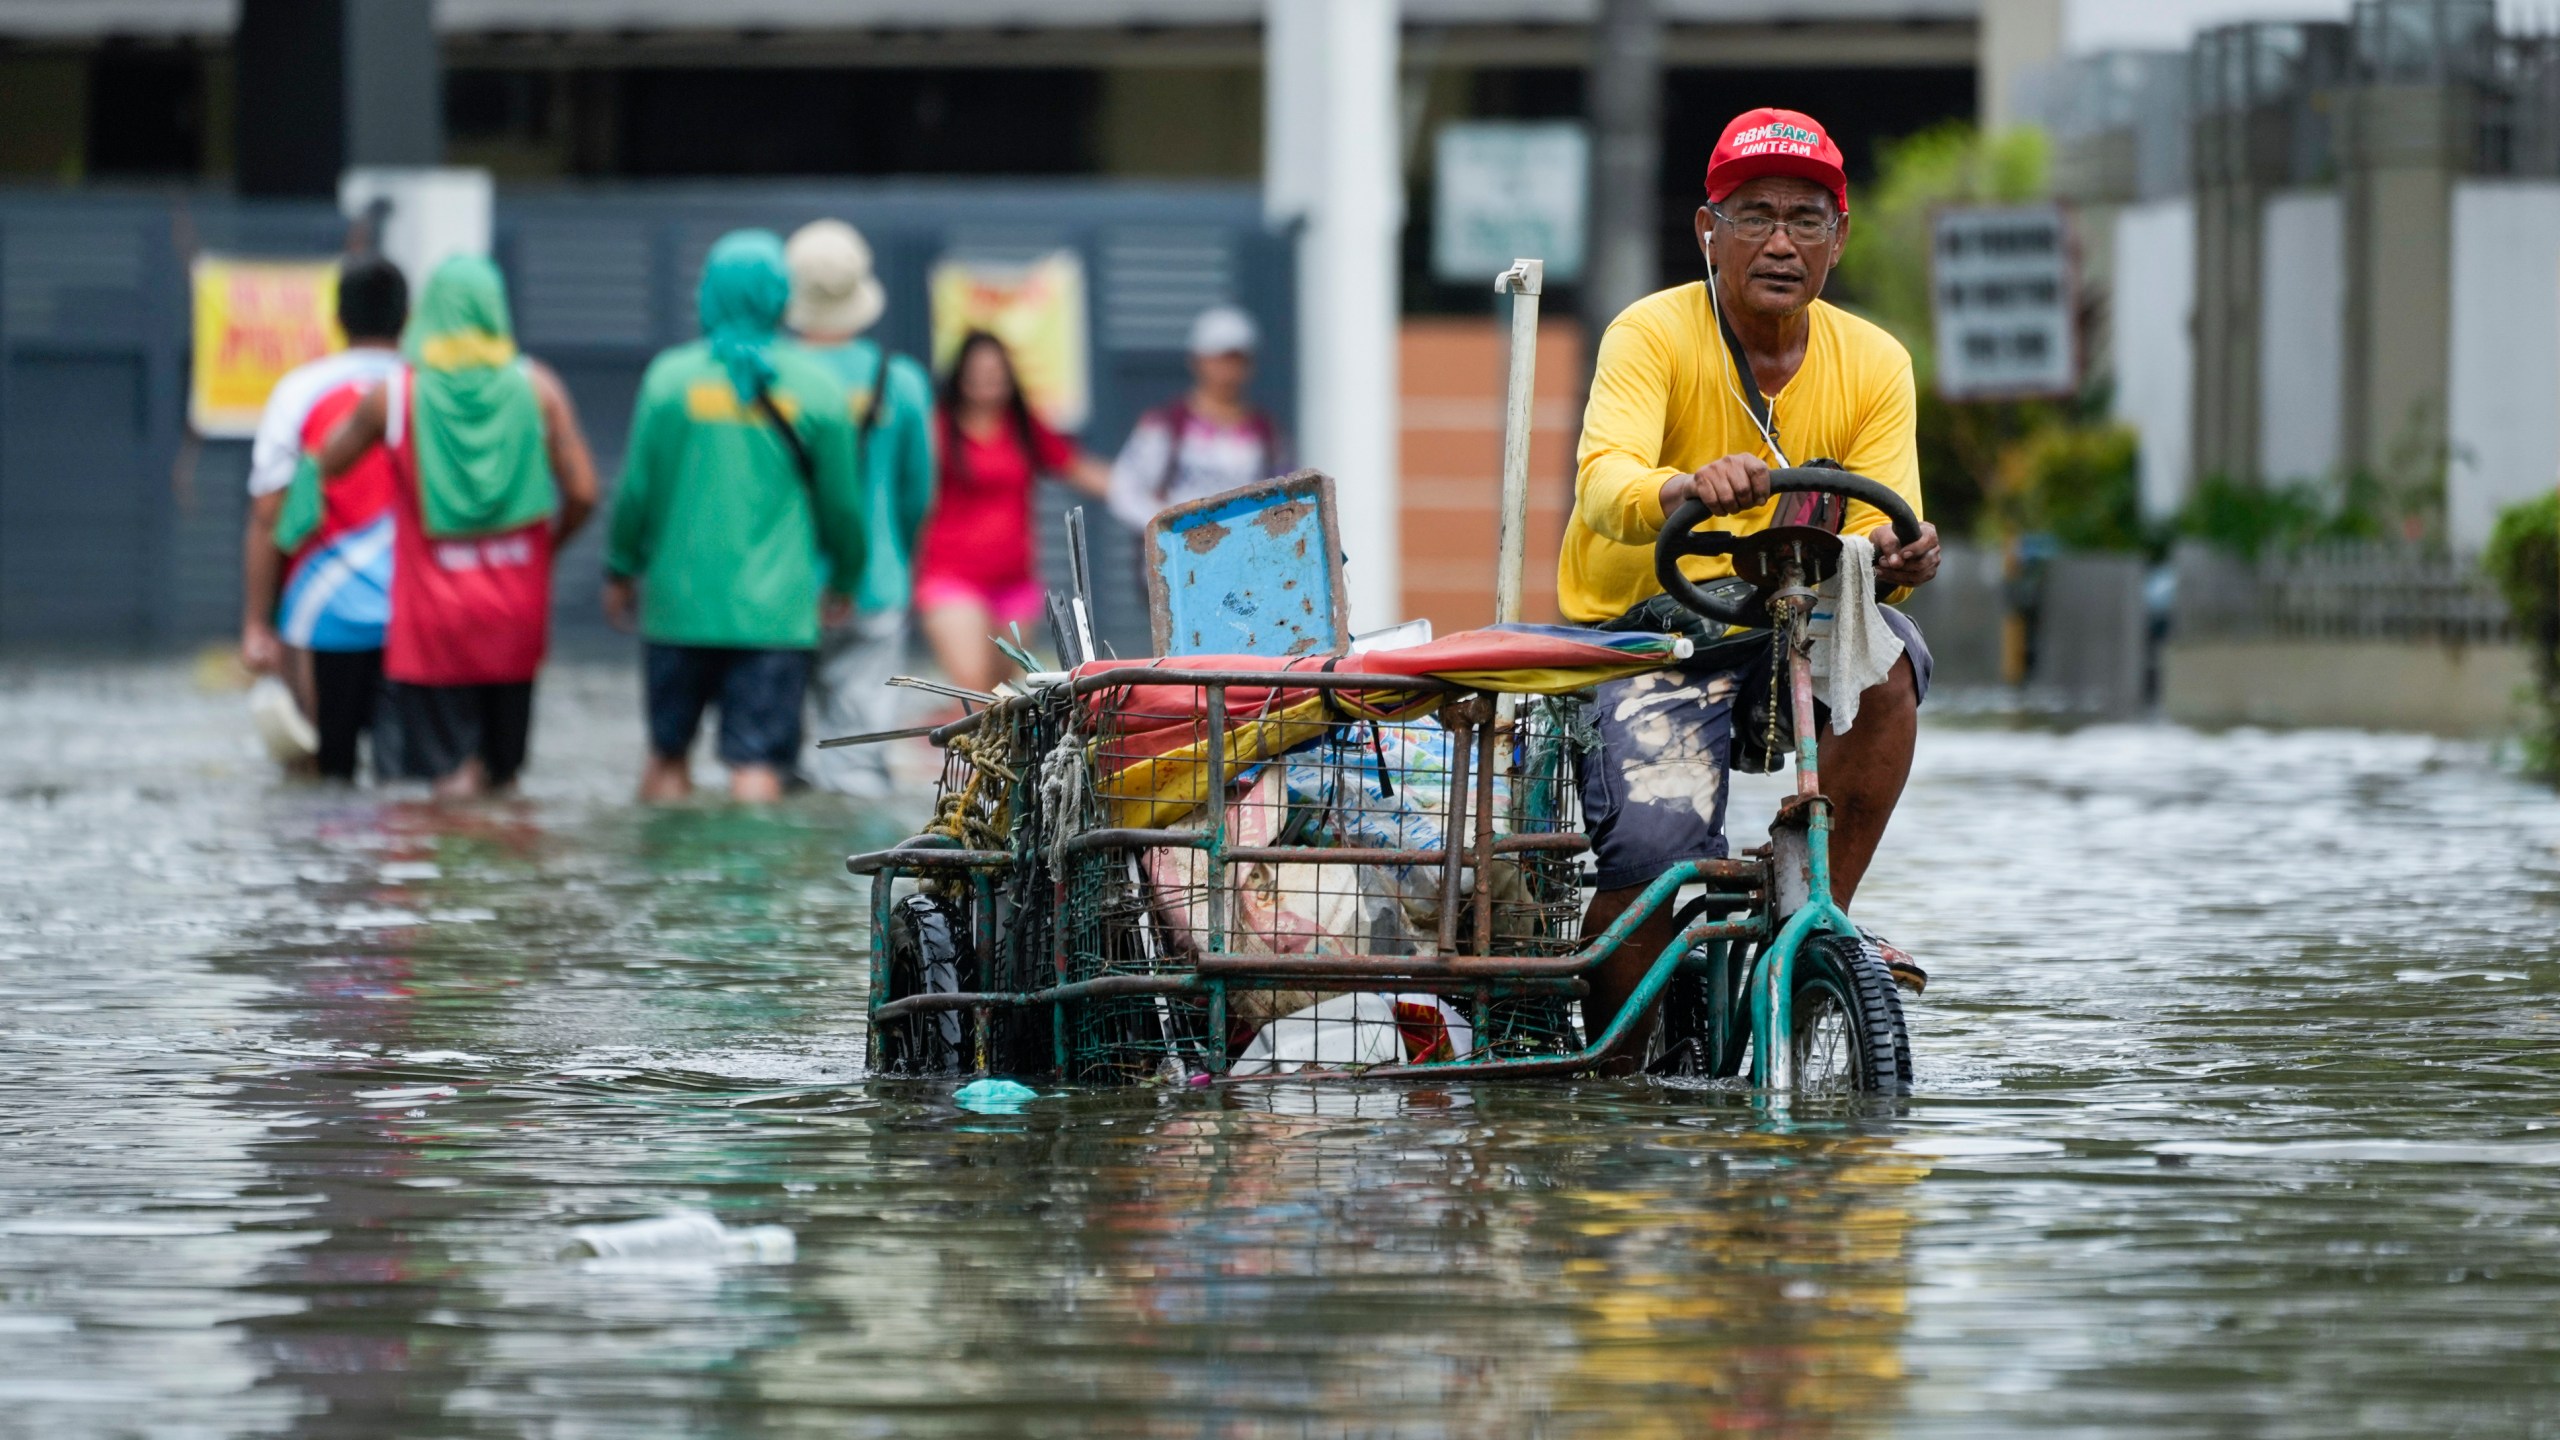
{"x":2239,"y":1114}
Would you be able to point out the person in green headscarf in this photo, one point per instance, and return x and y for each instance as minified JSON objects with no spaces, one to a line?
{"x":490,"y":475}
{"x":739,"y":509}
{"x":481,"y":466}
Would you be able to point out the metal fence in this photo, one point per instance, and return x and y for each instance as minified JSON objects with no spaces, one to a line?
{"x":2339,"y":592}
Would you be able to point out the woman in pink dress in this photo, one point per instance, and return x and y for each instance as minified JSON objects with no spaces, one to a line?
{"x":977,"y":566}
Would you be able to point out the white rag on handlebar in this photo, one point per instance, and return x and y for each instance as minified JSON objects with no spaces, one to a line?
{"x":1852,"y":646}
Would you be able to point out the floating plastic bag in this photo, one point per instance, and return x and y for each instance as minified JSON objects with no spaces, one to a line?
{"x":684,"y":1237}
{"x":994,"y":1097}
{"x":1354,"y":1029}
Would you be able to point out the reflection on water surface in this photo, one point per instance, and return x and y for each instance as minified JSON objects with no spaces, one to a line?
{"x":2237,"y":1116}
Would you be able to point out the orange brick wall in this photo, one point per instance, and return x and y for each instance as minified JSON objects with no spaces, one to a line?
{"x":1452,"y":466}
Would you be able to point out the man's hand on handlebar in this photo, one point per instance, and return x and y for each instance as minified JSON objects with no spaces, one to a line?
{"x":1727,"y":487}
{"x":1898,"y":564}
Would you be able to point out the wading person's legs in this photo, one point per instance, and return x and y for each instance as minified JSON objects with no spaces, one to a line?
{"x":761,"y":694}
{"x":679,"y":681}
{"x":957,"y":629}
{"x":468,"y":740}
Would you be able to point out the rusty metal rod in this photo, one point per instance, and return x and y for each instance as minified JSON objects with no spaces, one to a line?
{"x":1571,"y":844}
{"x":1484,"y":833}
{"x":1450,"y":967}
{"x":1108,"y":986}
{"x":1215,"y":841}
{"x":926,"y":857}
{"x":1500,"y":982}
{"x":1453,"y":825}
{"x":1099,"y":987}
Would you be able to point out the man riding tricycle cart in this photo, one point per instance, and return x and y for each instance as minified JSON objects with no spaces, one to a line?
{"x":1228,"y":868}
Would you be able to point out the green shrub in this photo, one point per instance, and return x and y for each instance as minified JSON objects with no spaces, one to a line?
{"x":2078,"y":484}
{"x":2524,"y":559}
{"x":1884,"y":276}
{"x":2274,"y":518}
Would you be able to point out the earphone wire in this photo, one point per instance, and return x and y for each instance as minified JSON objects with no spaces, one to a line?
{"x":1768,"y":436}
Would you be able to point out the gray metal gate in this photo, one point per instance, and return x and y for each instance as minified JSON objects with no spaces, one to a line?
{"x":120,"y":531}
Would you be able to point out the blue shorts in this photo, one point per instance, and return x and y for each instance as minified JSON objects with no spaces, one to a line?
{"x":758,"y":693}
{"x":1653,"y":793}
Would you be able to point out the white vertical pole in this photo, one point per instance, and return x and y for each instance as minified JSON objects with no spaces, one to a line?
{"x":1523,"y":282}
{"x":1334,"y":163}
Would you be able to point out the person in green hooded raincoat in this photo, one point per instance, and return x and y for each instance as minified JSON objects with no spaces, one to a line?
{"x":740,"y":507}
{"x":490,"y":475}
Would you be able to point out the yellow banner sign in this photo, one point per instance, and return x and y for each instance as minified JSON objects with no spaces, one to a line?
{"x":255,"y":320}
{"x":1038,"y":311}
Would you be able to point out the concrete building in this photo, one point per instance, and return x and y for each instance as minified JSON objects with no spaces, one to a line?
{"x":648,"y":102}
{"x":123,"y":91}
{"x":2328,"y":252}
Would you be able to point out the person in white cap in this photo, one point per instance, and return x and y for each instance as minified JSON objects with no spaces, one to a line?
{"x":835,"y":297}
{"x":1207,"y":442}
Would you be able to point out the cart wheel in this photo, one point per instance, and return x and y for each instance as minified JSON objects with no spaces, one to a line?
{"x":928,"y":951}
{"x":1849,"y":1037}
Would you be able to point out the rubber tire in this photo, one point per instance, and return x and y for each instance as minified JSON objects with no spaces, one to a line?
{"x":1836,"y":969}
{"x":928,"y":955}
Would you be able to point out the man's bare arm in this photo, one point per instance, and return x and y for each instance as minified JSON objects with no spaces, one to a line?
{"x":573,"y":465}
{"x":359,"y":432}
{"x":262,"y":569}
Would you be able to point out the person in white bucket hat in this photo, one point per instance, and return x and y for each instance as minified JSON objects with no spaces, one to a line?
{"x":835,"y":297}
{"x":1209,"y":441}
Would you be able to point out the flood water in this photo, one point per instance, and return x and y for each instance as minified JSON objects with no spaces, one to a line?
{"x":2238,"y":1114}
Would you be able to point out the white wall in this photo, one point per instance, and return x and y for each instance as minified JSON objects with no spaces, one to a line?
{"x":2302,"y":279}
{"x":2152,"y":317}
{"x":1331,"y":161}
{"x":2502,"y":412}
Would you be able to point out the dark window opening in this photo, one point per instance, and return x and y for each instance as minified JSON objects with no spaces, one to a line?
{"x":146,"y":112}
{"x":500,"y":105}
{"x":859,"y":122}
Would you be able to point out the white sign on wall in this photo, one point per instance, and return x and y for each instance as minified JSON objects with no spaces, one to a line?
{"x":429,"y":213}
{"x":1503,"y":189}
{"x":2000,"y":277}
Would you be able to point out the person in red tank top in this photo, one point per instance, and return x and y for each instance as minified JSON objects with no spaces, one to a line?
{"x":490,"y":473}
{"x":975,"y":565}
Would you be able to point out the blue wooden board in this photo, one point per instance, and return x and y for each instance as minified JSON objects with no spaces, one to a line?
{"x":1256,"y":571}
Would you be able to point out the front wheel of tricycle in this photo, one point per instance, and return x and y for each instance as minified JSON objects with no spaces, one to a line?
{"x":1847,"y":1021}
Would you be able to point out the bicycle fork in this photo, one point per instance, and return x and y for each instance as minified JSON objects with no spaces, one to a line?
{"x":1799,"y":855}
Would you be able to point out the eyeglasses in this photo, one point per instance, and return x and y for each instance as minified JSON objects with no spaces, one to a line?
{"x":1755,"y":227}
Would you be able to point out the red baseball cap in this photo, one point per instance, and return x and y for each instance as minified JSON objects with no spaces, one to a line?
{"x":1775,"y":142}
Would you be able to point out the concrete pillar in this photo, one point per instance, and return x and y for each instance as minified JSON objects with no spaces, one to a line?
{"x":1625,"y":246}
{"x":2401,"y":146}
{"x":324,"y":85}
{"x":2016,"y":37}
{"x":2239,"y":162}
{"x":1333,"y":165}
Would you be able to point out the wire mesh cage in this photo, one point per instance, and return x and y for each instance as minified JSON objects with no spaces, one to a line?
{"x":977,"y":923}
{"x":1391,"y":824}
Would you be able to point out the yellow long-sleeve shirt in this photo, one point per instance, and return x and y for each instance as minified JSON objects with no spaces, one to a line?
{"x":1664,"y":401}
